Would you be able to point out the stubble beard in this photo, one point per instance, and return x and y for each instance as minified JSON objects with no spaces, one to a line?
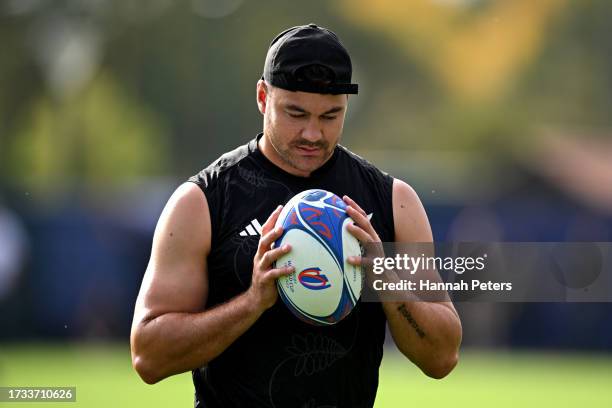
{"x":286,"y":152}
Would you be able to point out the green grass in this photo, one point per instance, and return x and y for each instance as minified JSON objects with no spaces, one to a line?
{"x":104,"y":378}
{"x":502,"y":380}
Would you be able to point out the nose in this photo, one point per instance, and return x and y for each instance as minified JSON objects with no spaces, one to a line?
{"x":312,"y":132}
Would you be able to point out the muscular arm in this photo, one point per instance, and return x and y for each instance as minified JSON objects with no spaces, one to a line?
{"x":171,"y":331}
{"x":428,"y":333}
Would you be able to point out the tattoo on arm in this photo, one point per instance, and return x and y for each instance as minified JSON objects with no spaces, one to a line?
{"x":404,"y":312}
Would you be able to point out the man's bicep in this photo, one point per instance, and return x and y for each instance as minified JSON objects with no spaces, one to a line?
{"x":412,"y":225}
{"x":409,"y":217}
{"x":176,"y":276}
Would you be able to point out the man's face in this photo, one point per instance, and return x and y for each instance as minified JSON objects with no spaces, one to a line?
{"x":303,"y":128}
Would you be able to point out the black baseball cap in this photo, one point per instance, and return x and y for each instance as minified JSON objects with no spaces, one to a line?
{"x":306,"y":45}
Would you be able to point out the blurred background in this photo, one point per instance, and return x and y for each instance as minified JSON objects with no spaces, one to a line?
{"x":498,"y":113}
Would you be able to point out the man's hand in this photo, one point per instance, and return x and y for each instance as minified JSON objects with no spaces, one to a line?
{"x":362,"y":229}
{"x":263,"y":283}
{"x":365,"y":233}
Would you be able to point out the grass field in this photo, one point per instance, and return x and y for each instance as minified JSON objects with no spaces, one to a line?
{"x":104,"y":378}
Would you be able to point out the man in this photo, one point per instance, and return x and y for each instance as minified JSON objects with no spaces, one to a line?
{"x":209,"y":302}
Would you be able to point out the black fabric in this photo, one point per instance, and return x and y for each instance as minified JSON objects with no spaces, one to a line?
{"x":300,"y":46}
{"x":281,"y":361}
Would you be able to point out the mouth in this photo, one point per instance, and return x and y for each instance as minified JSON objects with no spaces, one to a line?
{"x":308,"y":151}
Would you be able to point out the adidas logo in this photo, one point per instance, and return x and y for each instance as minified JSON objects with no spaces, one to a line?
{"x":254,"y":228}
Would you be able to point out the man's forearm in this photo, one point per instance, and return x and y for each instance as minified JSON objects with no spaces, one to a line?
{"x":428,"y":333}
{"x":173,"y":343}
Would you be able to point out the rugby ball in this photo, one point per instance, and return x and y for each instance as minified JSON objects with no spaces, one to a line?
{"x":324,"y":287}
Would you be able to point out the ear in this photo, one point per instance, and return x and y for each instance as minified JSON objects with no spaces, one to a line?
{"x":262,"y":96}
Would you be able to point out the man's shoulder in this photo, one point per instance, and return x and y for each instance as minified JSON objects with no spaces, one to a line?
{"x":221,"y":166}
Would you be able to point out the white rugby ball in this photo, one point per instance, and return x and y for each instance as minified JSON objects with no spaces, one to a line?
{"x":324,"y":287}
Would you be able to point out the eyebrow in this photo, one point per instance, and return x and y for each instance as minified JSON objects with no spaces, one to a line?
{"x":296,"y":108}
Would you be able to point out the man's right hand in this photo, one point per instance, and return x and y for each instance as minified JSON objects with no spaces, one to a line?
{"x":263,"y":289}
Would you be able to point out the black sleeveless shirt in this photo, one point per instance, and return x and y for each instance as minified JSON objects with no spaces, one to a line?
{"x":281,"y":361}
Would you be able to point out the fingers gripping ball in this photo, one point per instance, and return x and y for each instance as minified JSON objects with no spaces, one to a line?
{"x":324,"y":287}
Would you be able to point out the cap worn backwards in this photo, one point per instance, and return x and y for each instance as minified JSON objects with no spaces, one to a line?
{"x":309,"y":47}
